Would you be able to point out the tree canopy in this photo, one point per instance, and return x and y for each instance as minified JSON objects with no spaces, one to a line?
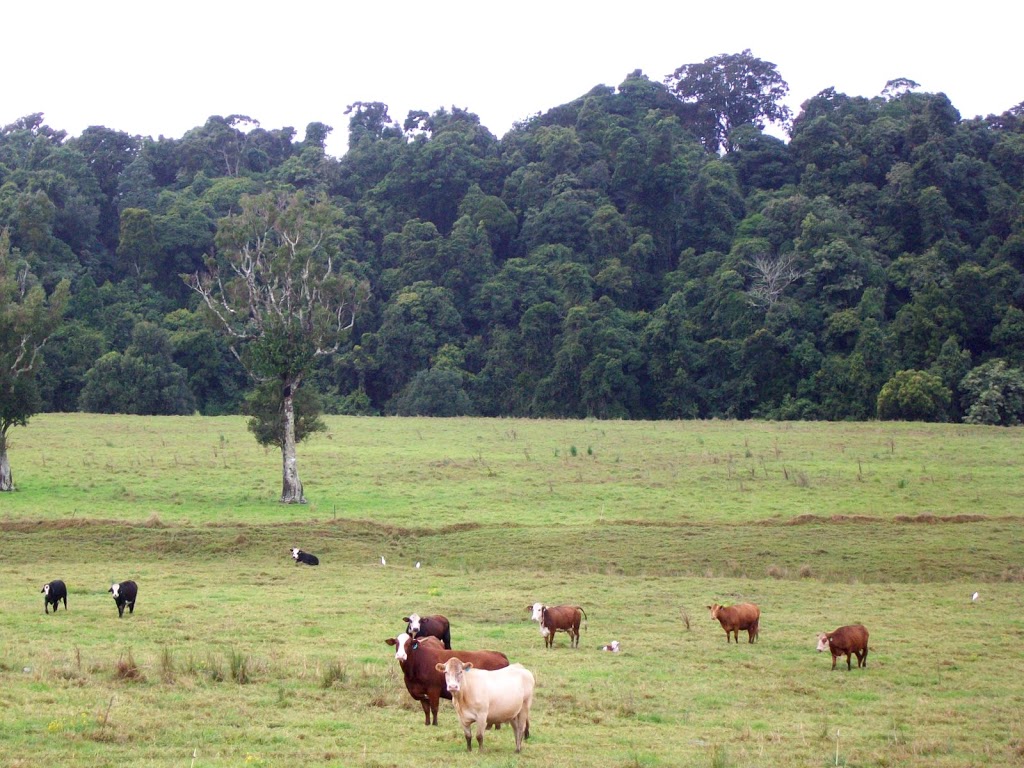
{"x":645,"y":250}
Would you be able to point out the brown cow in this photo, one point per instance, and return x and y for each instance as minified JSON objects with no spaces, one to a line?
{"x":418,"y":658}
{"x":558,"y":618}
{"x":733,"y":618}
{"x":852,"y":639}
{"x":429,"y":626}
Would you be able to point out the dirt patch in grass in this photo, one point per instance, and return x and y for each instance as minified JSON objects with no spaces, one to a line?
{"x":925,"y":518}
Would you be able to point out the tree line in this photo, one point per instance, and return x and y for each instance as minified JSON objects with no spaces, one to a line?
{"x":644,"y":251}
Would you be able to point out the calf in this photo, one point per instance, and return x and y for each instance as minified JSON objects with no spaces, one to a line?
{"x":733,"y":618}
{"x":558,"y":618}
{"x":489,"y":698}
{"x":53,"y":593}
{"x":124,"y":594}
{"x":304,"y":557}
{"x":852,"y":639}
{"x":418,"y":658}
{"x":429,"y":626}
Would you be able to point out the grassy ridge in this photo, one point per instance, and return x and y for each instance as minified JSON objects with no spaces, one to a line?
{"x":410,"y":471}
{"x":237,"y":657}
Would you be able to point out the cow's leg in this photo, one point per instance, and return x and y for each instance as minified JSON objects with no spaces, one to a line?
{"x":434,"y":700}
{"x":426,"y":711}
{"x":517,"y":727}
{"x":865,"y":658}
{"x":481,"y":726}
{"x":467,"y":729}
{"x":848,"y":655}
{"x":834,"y":657}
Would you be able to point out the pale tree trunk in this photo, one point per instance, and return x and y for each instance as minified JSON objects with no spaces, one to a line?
{"x":6,"y":478}
{"x":291,"y":486}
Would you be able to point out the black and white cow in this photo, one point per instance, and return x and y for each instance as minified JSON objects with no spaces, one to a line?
{"x":53,"y":593}
{"x":429,"y":626}
{"x":124,"y":594}
{"x":304,"y":557}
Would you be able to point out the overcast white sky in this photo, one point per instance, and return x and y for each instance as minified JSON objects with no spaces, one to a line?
{"x":161,"y":68}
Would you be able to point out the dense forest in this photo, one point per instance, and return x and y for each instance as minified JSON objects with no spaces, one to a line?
{"x":645,"y":251}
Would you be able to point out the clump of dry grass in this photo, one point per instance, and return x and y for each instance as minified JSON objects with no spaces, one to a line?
{"x":776,"y":571}
{"x":126,"y":668}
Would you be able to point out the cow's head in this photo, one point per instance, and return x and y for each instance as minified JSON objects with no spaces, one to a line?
{"x":714,"y":608}
{"x":823,"y":641}
{"x":537,"y":611}
{"x":45,"y":590}
{"x":400,"y":644}
{"x":295,"y":553}
{"x":413,"y":621}
{"x":454,"y":670}
{"x":115,"y":590}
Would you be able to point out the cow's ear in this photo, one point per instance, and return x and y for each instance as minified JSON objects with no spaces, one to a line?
{"x":391,"y":641}
{"x":405,"y":619}
{"x":467,"y":665}
{"x":529,"y":607}
{"x":439,"y":667}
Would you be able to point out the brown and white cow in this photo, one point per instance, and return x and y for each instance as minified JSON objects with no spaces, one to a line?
{"x":558,"y":618}
{"x":418,"y":658}
{"x":489,"y":697}
{"x":733,"y":618}
{"x":852,"y":639}
{"x":429,"y":626}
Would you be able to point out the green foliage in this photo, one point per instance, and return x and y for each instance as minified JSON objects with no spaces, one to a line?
{"x":994,"y":394}
{"x":142,"y":380}
{"x":914,"y":396}
{"x":264,"y":407}
{"x":784,"y":278}
{"x":731,"y":90}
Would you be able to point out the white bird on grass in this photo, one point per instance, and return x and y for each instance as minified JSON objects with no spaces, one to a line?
{"x":974,"y":597}
{"x":417,"y":563}
{"x":383,"y":561}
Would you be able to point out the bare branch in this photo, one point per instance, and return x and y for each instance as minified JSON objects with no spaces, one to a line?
{"x":772,"y":276}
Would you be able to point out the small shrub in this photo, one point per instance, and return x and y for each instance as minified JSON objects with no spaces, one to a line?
{"x":806,"y":572}
{"x":572,"y":450}
{"x":776,"y":572}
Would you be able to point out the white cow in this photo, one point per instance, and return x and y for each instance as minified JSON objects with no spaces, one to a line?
{"x":490,"y":697}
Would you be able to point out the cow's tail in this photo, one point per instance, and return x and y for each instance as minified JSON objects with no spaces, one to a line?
{"x":580,"y":607}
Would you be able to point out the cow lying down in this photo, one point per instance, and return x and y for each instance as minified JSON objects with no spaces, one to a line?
{"x":304,"y":557}
{"x":489,"y":697}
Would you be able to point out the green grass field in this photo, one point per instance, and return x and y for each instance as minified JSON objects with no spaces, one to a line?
{"x":235,"y":657}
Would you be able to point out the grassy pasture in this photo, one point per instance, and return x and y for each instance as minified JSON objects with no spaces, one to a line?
{"x":236,"y":657}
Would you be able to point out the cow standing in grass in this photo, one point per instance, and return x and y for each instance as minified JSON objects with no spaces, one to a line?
{"x":53,"y":593}
{"x":558,"y":618}
{"x":124,"y":594}
{"x":489,"y":697}
{"x":418,"y":658}
{"x":733,"y":618}
{"x":429,"y":626}
{"x":852,"y":639}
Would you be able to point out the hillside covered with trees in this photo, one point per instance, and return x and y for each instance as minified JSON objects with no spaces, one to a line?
{"x":645,"y":251}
